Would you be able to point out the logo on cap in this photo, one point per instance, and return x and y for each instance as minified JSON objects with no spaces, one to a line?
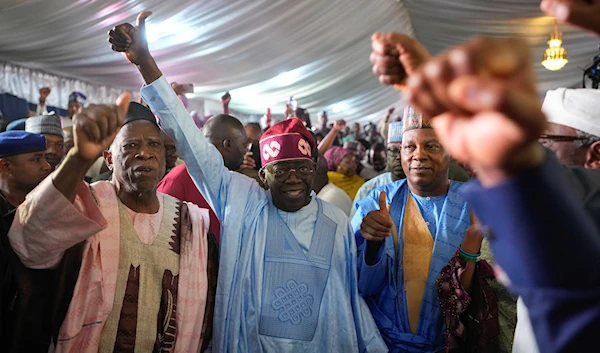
{"x":304,"y":147}
{"x":271,"y":150}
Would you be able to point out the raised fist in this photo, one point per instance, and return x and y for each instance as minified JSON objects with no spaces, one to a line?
{"x":129,"y":40}
{"x":483,"y":100}
{"x":226,"y":98}
{"x":96,"y":126}
{"x":396,"y":56}
{"x":44,"y":92}
{"x":581,"y":13}
{"x":339,"y":125}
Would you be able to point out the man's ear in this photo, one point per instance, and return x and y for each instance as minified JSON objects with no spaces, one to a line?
{"x":592,"y":160}
{"x":227,"y":144}
{"x":263,"y":177}
{"x":5,"y":166}
{"x":108,"y":159}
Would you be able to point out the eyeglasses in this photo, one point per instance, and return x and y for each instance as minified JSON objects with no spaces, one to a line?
{"x":560,"y":137}
{"x":282,"y":173}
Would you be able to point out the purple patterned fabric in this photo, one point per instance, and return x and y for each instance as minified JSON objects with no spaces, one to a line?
{"x":334,"y":156}
{"x":471,"y":318}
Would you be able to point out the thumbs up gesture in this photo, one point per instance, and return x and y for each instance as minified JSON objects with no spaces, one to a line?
{"x":96,"y":126}
{"x":131,"y":41}
{"x":377,"y":225}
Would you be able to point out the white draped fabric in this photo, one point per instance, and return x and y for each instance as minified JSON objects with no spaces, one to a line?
{"x":25,"y":83}
{"x":264,"y":51}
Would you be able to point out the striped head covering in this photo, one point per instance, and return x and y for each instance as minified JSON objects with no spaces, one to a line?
{"x":395,"y":131}
{"x":44,"y":124}
{"x":334,"y":156}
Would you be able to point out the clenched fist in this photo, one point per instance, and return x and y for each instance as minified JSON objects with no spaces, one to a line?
{"x":483,"y":100}
{"x":96,"y":126}
{"x":395,"y":57}
{"x":131,"y":41}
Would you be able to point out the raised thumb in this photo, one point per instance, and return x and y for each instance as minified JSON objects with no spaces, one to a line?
{"x":383,"y":207}
{"x":141,"y":20}
{"x":123,"y":103}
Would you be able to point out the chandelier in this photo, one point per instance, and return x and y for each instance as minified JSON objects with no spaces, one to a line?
{"x":555,"y":57}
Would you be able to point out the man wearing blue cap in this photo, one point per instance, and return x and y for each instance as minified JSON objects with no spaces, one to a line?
{"x":22,"y":168}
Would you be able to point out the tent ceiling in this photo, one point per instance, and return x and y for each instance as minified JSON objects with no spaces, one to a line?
{"x":266,"y":50}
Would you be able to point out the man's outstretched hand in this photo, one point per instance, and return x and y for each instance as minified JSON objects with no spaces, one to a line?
{"x":581,"y":13}
{"x":396,"y":56}
{"x":131,"y":41}
{"x":485,"y":107}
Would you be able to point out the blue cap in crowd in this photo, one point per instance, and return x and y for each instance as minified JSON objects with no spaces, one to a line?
{"x":19,"y":142}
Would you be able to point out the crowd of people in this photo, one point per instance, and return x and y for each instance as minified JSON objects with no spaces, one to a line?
{"x":470,"y":222}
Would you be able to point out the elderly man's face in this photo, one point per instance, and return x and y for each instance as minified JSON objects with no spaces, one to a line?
{"x":137,"y":156}
{"x":55,"y":149}
{"x":394,"y":162}
{"x":424,"y":159}
{"x":566,"y":151}
{"x":290,"y":183}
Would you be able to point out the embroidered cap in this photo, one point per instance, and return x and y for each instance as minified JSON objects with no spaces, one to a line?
{"x":77,"y":97}
{"x":395,"y":131}
{"x":288,"y":139}
{"x":19,"y":142}
{"x":413,"y":119}
{"x":44,"y":124}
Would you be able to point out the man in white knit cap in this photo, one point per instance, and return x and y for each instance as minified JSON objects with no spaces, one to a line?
{"x":574,"y":126}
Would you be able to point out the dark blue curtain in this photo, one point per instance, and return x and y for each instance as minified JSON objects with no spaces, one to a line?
{"x":14,"y":108}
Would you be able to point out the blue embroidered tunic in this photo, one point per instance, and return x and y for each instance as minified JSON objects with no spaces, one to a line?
{"x":286,"y":283}
{"x":383,"y":288}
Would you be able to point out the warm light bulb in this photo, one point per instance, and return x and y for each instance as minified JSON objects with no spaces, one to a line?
{"x":555,"y":57}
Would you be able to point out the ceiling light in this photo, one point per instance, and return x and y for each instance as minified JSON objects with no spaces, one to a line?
{"x":555,"y":57}
{"x":285,"y":79}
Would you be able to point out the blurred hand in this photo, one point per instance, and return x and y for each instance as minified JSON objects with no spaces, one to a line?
{"x":581,"y":13}
{"x":226,"y":98}
{"x":96,"y":126}
{"x":44,"y":92}
{"x":485,"y":105}
{"x":248,"y":162}
{"x":131,"y":41}
{"x":289,"y":112}
{"x":339,"y":125}
{"x":396,"y":56}
{"x":391,"y":110}
{"x":377,"y":225}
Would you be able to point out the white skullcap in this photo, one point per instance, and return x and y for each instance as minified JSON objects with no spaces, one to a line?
{"x":575,"y":108}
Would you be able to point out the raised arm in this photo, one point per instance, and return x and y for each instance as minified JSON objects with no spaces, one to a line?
{"x":203,"y":161}
{"x":329,"y":139}
{"x":61,"y":211}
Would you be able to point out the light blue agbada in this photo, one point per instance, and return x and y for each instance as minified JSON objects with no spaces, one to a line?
{"x":383,"y":288}
{"x":287,"y":281}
